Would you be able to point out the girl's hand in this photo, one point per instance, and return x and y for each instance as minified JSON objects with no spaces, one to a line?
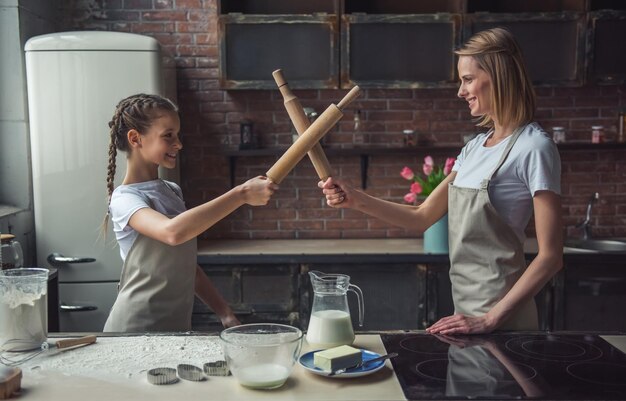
{"x":461,"y":324}
{"x":229,"y":320}
{"x":257,"y":191}
{"x":338,"y":193}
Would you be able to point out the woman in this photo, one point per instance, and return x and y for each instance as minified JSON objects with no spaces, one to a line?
{"x":499,"y":178}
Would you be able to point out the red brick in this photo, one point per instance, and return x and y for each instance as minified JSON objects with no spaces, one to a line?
{"x":164,"y":16}
{"x":389,"y":115}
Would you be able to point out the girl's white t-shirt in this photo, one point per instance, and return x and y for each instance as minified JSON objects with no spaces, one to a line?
{"x":532,"y":165}
{"x":165,"y":197}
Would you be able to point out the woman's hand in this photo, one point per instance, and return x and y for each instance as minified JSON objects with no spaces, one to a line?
{"x":461,"y":324}
{"x":257,"y":191}
{"x":338,"y":193}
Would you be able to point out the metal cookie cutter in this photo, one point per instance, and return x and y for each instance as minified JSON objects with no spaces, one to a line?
{"x":160,"y":376}
{"x":190,"y":372}
{"x":217,"y":368}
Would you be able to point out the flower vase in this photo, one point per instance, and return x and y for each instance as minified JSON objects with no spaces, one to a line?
{"x":436,"y":237}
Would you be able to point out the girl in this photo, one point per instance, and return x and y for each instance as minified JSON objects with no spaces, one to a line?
{"x":496,"y":182}
{"x":156,"y":234}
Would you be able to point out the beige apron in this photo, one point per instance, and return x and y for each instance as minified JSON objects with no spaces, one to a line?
{"x":156,"y":291}
{"x":486,"y":255}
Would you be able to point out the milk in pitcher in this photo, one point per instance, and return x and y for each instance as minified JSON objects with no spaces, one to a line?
{"x":330,"y":328}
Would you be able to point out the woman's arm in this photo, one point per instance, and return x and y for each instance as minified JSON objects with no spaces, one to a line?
{"x":340,"y":194}
{"x":206,"y":291}
{"x":191,"y":223}
{"x":547,"y":263}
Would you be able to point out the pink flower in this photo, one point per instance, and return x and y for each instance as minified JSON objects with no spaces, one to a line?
{"x":416,"y":188}
{"x":429,"y":160}
{"x":428,"y":168}
{"x":410,"y":197}
{"x":407,"y":173}
{"x":449,"y":164}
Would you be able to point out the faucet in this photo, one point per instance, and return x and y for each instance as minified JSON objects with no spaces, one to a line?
{"x":585,"y":225}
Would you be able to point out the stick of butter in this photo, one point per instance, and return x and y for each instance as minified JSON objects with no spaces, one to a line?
{"x":336,"y":358}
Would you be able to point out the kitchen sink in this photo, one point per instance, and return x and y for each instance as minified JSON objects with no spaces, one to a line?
{"x":597,"y":244}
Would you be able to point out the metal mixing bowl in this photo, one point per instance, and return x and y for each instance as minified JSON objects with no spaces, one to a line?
{"x":261,"y":355}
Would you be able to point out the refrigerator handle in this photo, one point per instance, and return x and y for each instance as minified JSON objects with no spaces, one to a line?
{"x":56,"y":259}
{"x":77,"y":308}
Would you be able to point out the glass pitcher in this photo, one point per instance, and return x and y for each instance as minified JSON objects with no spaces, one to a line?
{"x":330,"y":324}
{"x":11,"y":255}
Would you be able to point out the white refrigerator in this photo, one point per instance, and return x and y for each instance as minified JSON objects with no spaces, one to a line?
{"x":74,"y":81}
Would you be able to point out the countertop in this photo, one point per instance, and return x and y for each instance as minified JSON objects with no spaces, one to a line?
{"x":384,"y":250}
{"x":114,"y":369}
{"x":45,"y":379}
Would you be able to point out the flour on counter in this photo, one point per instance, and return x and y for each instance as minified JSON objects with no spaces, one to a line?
{"x":128,"y":357}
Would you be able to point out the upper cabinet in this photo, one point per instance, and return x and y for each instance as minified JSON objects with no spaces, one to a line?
{"x":330,"y":44}
{"x":606,"y":41}
{"x":399,"y":44}
{"x":257,"y":37}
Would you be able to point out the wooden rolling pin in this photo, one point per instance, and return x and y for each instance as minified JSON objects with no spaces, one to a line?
{"x":301,"y":123}
{"x":310,"y":138}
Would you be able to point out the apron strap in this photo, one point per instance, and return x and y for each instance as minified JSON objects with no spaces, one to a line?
{"x":485,"y":183}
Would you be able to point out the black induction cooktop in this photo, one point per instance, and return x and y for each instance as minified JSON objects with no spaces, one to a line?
{"x":508,"y":366}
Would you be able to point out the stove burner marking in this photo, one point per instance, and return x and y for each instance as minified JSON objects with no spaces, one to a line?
{"x":603,"y":373}
{"x":554,"y":349}
{"x":425,"y":345}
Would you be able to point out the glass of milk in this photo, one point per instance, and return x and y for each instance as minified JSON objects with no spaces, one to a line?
{"x":262,"y":355}
{"x":23,"y":308}
{"x":330,"y":324}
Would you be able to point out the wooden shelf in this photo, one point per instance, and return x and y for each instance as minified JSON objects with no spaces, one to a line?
{"x":366,"y":151}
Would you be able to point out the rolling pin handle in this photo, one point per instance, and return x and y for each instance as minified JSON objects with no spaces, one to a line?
{"x":279,"y":77}
{"x":353,"y":94}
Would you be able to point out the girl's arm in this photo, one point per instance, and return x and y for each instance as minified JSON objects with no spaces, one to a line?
{"x":191,"y":223}
{"x":206,"y":291}
{"x":340,"y":194}
{"x":547,"y":263}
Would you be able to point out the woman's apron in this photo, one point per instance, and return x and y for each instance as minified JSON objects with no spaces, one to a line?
{"x":157,"y":288}
{"x":486,"y":256}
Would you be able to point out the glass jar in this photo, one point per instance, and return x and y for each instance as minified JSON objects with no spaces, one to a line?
{"x":11,"y":255}
{"x":409,"y":137}
{"x":558,"y":134}
{"x":597,"y":134}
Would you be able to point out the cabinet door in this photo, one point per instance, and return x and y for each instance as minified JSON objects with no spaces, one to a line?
{"x":607,"y":63}
{"x":393,"y":294}
{"x":256,"y":293}
{"x":592,"y":298}
{"x":305,"y":47}
{"x":553,"y":44}
{"x":399,"y":51}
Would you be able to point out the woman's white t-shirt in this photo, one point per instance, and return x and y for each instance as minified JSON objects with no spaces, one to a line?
{"x":532,"y":165}
{"x":163,"y":196}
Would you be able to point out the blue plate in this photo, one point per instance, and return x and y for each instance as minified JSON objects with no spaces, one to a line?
{"x":306,"y":361}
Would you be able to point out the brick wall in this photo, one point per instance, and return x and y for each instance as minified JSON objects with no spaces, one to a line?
{"x":187,"y":31}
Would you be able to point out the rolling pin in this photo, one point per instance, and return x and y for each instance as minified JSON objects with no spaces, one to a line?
{"x":310,"y":138}
{"x":301,"y":123}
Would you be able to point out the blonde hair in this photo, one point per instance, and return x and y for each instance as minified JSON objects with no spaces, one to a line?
{"x":497,"y":53}
{"x":134,"y":112}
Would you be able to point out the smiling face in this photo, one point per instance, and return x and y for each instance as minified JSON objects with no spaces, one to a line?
{"x":475,"y":87}
{"x":161,"y":143}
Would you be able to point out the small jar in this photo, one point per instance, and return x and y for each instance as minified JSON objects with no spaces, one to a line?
{"x":597,"y":134}
{"x":558,"y":134}
{"x":409,"y":137}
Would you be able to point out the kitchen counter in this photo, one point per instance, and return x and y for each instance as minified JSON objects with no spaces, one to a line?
{"x":114,"y":368}
{"x":47,"y":379}
{"x":396,"y":250}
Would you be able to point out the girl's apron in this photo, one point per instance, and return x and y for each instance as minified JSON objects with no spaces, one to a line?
{"x":156,"y":290}
{"x":486,"y":256}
